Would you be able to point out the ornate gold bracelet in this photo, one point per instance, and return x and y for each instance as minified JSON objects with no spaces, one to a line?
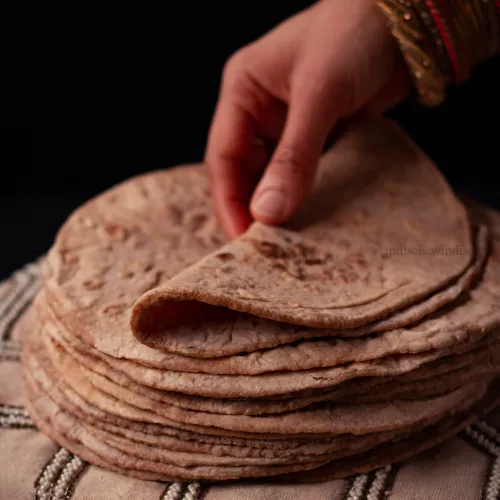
{"x":443,"y":40}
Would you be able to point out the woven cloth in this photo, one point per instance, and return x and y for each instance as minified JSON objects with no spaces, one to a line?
{"x":466,"y":467}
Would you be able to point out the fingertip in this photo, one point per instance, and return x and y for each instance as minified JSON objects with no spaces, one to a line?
{"x":233,"y":215}
{"x":235,"y":221}
{"x":285,"y":184}
{"x":270,"y":206}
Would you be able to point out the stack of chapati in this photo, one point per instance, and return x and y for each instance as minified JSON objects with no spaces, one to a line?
{"x":362,"y":332}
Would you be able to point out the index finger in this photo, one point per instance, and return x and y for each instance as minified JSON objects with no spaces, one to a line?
{"x":229,"y":145}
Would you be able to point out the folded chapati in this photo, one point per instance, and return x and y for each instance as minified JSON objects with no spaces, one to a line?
{"x":376,"y":197}
{"x":328,"y":351}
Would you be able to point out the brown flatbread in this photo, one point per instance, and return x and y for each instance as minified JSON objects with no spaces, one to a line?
{"x":69,"y":434}
{"x":434,"y":377}
{"x":376,"y":193}
{"x":61,"y":422}
{"x":324,"y":419}
{"x":237,"y":335}
{"x":255,"y":445}
{"x":149,"y":229}
{"x":346,"y":444}
{"x":223,"y":445}
{"x":304,"y":354}
{"x":470,"y":320}
{"x":396,"y":452}
{"x":467,"y":321}
{"x":234,"y":446}
{"x":484,"y":366}
{"x":232,"y":386}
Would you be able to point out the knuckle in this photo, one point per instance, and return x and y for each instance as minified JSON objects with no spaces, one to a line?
{"x":291,"y":162}
{"x":311,"y":82}
{"x":235,"y":66}
{"x":345,"y":92}
{"x":336,"y":94}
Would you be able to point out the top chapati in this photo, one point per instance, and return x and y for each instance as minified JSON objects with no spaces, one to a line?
{"x":333,"y":266}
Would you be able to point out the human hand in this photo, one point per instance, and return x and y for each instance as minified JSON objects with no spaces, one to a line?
{"x":289,"y":88}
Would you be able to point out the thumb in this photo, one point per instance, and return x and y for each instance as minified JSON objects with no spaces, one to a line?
{"x":290,"y":174}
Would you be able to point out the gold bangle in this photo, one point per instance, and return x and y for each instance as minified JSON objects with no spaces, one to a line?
{"x":443,"y":40}
{"x":417,"y":49}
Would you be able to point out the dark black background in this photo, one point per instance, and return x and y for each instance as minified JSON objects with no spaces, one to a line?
{"x":119,"y":99}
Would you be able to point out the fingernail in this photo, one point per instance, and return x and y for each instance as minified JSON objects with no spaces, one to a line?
{"x":270,"y":204}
